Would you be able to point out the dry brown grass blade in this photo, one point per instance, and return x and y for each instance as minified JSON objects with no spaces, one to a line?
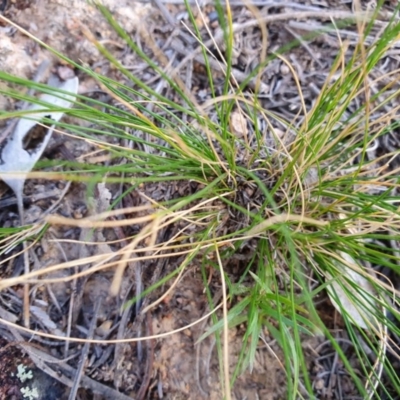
{"x":151,"y":230}
{"x":282,"y":218}
{"x":225,"y":330}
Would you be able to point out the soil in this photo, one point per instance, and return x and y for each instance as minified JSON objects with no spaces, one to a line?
{"x":178,"y":366}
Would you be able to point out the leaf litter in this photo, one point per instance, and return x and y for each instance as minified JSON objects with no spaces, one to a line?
{"x":165,"y":368}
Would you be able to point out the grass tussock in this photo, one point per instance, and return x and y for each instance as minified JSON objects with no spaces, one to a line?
{"x":306,"y":206}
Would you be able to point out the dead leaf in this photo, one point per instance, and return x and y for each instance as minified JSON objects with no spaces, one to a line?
{"x":360,"y":305}
{"x":44,"y":318}
{"x":239,"y":124}
{"x":14,"y":157}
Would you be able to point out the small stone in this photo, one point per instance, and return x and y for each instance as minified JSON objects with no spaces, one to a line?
{"x":284,"y":69}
